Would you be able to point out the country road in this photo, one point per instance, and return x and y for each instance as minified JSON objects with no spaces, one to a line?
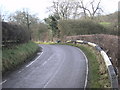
{"x":58,"y":66}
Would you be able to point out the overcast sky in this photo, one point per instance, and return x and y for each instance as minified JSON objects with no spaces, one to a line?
{"x":39,"y":6}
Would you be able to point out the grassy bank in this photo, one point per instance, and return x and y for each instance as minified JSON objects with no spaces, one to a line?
{"x":13,"y":57}
{"x":98,"y":75}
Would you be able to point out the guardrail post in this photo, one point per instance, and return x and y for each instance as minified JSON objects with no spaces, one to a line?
{"x":113,"y":77}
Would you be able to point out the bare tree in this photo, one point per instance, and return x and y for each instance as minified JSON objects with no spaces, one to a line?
{"x":56,"y":7}
{"x":62,"y":8}
{"x":23,"y":18}
{"x":66,"y":9}
{"x":95,"y":8}
{"x":75,"y":9}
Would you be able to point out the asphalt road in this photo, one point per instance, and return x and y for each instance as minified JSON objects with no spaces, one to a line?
{"x":58,"y":66}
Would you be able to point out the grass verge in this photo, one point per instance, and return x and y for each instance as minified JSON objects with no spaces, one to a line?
{"x":13,"y":57}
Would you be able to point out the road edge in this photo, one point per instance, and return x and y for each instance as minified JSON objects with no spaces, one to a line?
{"x":86,"y":79}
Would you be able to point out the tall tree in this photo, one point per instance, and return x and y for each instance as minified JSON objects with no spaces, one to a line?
{"x":95,"y":8}
{"x":68,"y":9}
{"x":63,"y":8}
{"x":52,"y":21}
{"x":40,"y":32}
{"x":24,"y":18}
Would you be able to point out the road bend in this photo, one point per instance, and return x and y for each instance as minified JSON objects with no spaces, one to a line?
{"x":58,"y":66}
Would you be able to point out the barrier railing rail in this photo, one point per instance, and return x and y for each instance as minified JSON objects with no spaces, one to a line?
{"x":112,"y":75}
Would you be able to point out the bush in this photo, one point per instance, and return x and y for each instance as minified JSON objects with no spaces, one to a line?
{"x":12,"y":33}
{"x":80,"y":27}
{"x":109,"y":43}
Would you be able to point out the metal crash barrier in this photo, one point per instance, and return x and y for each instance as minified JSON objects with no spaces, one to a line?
{"x":112,"y":75}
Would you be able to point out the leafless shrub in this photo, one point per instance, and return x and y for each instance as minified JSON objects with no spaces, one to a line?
{"x":109,"y":43}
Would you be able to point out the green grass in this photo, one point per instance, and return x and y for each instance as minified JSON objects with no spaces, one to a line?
{"x":105,"y":23}
{"x":93,"y":67}
{"x":13,"y":57}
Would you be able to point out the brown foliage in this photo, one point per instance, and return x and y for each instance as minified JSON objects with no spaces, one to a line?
{"x":109,"y":43}
{"x":14,"y":34}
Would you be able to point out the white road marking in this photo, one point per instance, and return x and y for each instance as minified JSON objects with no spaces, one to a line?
{"x":3,"y":82}
{"x":86,"y":79}
{"x":54,"y":74}
{"x":47,"y":60}
{"x":20,"y":71}
{"x":34,"y":60}
{"x":38,"y":53}
{"x":44,"y":63}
